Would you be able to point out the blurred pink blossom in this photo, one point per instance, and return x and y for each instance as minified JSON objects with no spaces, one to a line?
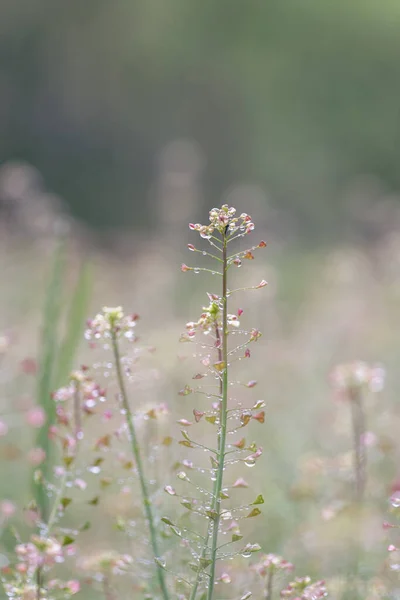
{"x":36,"y":456}
{"x":36,"y":417}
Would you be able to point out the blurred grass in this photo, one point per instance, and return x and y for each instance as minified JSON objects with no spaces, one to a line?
{"x":47,"y":365}
{"x":57,"y":354}
{"x":320,"y":308}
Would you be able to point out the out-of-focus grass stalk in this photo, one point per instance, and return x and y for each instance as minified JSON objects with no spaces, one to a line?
{"x":360,"y":458}
{"x":56,"y":358}
{"x":49,"y":342}
{"x":75,"y":323}
{"x":269,"y":588}
{"x":139,"y":464}
{"x":358,"y":421}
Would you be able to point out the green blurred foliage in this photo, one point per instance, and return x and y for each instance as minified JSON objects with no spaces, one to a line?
{"x":297,"y":95}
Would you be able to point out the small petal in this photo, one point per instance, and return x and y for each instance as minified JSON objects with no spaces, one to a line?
{"x":240,"y":483}
{"x":251,"y":383}
{"x":262,"y":284}
{"x":260,"y":417}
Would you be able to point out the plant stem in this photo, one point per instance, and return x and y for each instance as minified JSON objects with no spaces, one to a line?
{"x":77,"y":412}
{"x":108,"y":595}
{"x":206,"y":540}
{"x":139,"y":465}
{"x":48,"y":528}
{"x":360,"y":477}
{"x":223,"y":422}
{"x":39,"y":583}
{"x":56,"y":503}
{"x":268,"y":589}
{"x":359,"y":427}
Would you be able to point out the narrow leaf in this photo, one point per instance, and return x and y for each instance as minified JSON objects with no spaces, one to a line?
{"x":75,"y":323}
{"x":49,"y":342}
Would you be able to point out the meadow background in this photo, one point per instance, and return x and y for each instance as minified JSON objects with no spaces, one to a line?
{"x":120,"y":123}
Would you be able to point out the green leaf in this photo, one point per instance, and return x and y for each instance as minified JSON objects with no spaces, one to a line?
{"x":160,"y":562}
{"x":212,"y":514}
{"x":186,"y":443}
{"x":167,"y":521}
{"x":205,"y":562}
{"x":214,"y":463}
{"x":68,"y":540}
{"x":236,"y":537}
{"x":65,"y":502}
{"x":120,"y":524}
{"x":259,"y":404}
{"x":251,"y":548}
{"x":258,"y":500}
{"x":85,"y":526}
{"x":94,"y":501}
{"x":254,"y":513}
{"x":105,"y":482}
{"x":176,"y":531}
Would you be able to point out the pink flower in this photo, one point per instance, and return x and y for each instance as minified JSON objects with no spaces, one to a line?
{"x":251,"y":384}
{"x":80,"y":483}
{"x":36,"y":417}
{"x":262,"y":284}
{"x":29,"y":366}
{"x":185,"y":268}
{"x":240,"y":483}
{"x":73,"y":586}
{"x":7,"y":508}
{"x":369,"y":439}
{"x":3,"y":428}
{"x":36,"y":456}
{"x":255,"y":335}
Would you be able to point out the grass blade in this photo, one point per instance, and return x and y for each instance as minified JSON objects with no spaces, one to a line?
{"x":49,"y":341}
{"x":75,"y":323}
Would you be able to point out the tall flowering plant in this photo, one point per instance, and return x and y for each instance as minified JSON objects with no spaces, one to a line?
{"x":216,"y":333}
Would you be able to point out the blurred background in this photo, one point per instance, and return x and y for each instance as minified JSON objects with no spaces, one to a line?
{"x":120,"y":122}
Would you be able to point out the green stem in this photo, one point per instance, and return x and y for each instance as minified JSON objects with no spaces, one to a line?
{"x":207,"y":537}
{"x":53,"y":514}
{"x":108,"y":595}
{"x":49,"y":526}
{"x":268,"y":589}
{"x":139,"y":465}
{"x":223,"y":424}
{"x":359,"y":427}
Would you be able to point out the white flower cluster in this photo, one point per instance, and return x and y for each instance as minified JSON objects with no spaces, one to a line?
{"x":358,"y":375}
{"x":111,"y":321}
